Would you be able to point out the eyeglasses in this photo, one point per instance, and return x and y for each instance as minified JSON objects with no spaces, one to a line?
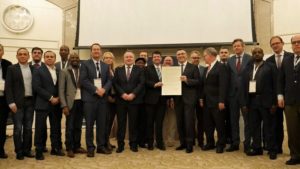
{"x":276,"y":43}
{"x":296,"y":42}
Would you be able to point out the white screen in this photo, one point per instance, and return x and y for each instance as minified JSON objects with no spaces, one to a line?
{"x":163,"y":22}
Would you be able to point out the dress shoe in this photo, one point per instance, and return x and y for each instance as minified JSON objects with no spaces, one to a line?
{"x":45,"y":149}
{"x":70,"y":154}
{"x":20,"y":156}
{"x":90,"y":154}
{"x":292,"y":162}
{"x":208,"y":147}
{"x":57,"y":152}
{"x":233,"y":148}
{"x":39,"y":155}
{"x":181,"y":147}
{"x":142,"y":145}
{"x":3,"y":155}
{"x":120,"y":149}
{"x":279,"y":151}
{"x":161,"y":146}
{"x":103,"y":150}
{"x":80,"y":150}
{"x":28,"y":154}
{"x":254,"y":152}
{"x":189,"y":149}
{"x":150,"y":147}
{"x":273,"y":155}
{"x":112,"y":146}
{"x":220,"y":149}
{"x":134,"y":148}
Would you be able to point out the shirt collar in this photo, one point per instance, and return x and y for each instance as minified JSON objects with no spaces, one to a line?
{"x":184,"y":64}
{"x":24,"y":65}
{"x":50,"y":68}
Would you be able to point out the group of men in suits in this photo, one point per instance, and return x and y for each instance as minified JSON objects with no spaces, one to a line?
{"x":215,"y":94}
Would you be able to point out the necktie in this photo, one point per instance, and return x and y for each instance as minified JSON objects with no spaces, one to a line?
{"x":181,"y":68}
{"x":76,"y":71}
{"x":98,"y":70}
{"x":158,"y":73}
{"x":128,"y":73}
{"x":208,"y":69}
{"x":238,"y":64}
{"x":63,"y":64}
{"x":296,"y":61}
{"x":36,"y":65}
{"x":278,"y":60}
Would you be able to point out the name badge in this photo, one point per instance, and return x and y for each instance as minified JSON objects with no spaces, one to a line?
{"x":252,"y":86}
{"x":2,"y":84}
{"x":78,"y":94}
{"x":98,"y":83}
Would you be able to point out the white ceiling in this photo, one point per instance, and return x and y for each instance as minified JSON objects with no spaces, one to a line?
{"x":64,"y":3}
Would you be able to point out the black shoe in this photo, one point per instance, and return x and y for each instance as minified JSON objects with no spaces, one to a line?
{"x":20,"y":156}
{"x":292,"y":162}
{"x":3,"y":155}
{"x":103,"y":150}
{"x":161,"y":146}
{"x":39,"y":155}
{"x":57,"y":152}
{"x":150,"y":147}
{"x":219,"y":149}
{"x":120,"y":149}
{"x":208,"y":147}
{"x":233,"y":148}
{"x":279,"y":151}
{"x":45,"y":150}
{"x":181,"y":147}
{"x":134,"y":148}
{"x":254,"y":152}
{"x":189,"y":149}
{"x":90,"y":154}
{"x":28,"y":154}
{"x":273,"y":156}
{"x":142,"y":145}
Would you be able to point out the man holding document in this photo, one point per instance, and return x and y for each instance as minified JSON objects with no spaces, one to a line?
{"x":186,"y":102}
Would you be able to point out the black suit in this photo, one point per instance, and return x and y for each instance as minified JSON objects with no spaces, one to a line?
{"x":134,"y":85}
{"x":185,"y":105}
{"x":289,"y":87}
{"x":214,"y":92}
{"x":4,"y":110}
{"x":155,"y":106}
{"x":260,"y":104}
{"x":199,"y":110}
{"x":45,"y":88}
{"x":23,"y":118}
{"x":278,"y":120}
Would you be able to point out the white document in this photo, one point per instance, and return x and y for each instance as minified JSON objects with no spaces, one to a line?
{"x":98,"y":83}
{"x":2,"y":83}
{"x":171,"y":81}
{"x":78,"y":94}
{"x":252,"y":86}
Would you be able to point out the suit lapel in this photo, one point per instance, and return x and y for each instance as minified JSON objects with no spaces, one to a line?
{"x":154,"y":71}
{"x":48,"y":74}
{"x":19,"y":74}
{"x":72,"y":76}
{"x":244,"y":62}
{"x":93,"y":67}
{"x":233,"y":64}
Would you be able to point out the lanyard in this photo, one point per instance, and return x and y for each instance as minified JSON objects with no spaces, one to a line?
{"x":255,"y":69}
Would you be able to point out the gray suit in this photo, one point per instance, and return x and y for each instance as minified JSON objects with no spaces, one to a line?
{"x":68,"y":85}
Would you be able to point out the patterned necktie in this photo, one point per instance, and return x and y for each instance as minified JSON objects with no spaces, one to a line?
{"x":128,"y":73}
{"x":98,"y":70}
{"x":36,"y":65}
{"x":238,"y":64}
{"x":158,"y":73}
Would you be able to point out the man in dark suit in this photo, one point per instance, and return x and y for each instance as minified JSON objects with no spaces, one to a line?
{"x":195,"y":60}
{"x":64,"y":52}
{"x":185,"y":104}
{"x":213,"y":100}
{"x":95,"y":81}
{"x":237,"y":65}
{"x":224,"y":56}
{"x":4,"y":109}
{"x":45,"y":85}
{"x":289,"y":96}
{"x":276,"y":44}
{"x":261,"y":102}
{"x":129,"y":82}
{"x":155,"y":102}
{"x":19,"y":97}
{"x":72,"y":105}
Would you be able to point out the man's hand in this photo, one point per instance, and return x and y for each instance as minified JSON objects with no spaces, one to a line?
{"x":54,"y":100}
{"x":183,"y":79}
{"x":281,"y":103}
{"x":14,"y":108}
{"x":201,"y":103}
{"x":158,"y":84}
{"x":125,"y":96}
{"x":100,"y":92}
{"x":66,"y":111}
{"x":273,"y":109}
{"x":131,"y":96}
{"x":221,"y":106}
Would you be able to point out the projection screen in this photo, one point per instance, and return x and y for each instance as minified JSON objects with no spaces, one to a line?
{"x":132,"y":23}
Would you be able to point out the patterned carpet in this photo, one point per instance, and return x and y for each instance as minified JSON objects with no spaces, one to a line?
{"x":144,"y":159}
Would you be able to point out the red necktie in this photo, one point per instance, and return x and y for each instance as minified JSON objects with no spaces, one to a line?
{"x":238,"y":64}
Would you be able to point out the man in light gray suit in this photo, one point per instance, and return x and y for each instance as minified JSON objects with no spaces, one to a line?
{"x":64,"y":52}
{"x":237,"y":66}
{"x":71,"y":104}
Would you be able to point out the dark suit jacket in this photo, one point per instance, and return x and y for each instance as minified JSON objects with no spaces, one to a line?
{"x":266,"y":84}
{"x":58,"y":65}
{"x":214,"y":89}
{"x":4,"y":64}
{"x":289,"y":81}
{"x":14,"y":88}
{"x":88,"y":73}
{"x":237,"y":82}
{"x":153,"y":95}
{"x":189,"y":90}
{"x":272,"y":60}
{"x":44,"y":87}
{"x":134,"y":85}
